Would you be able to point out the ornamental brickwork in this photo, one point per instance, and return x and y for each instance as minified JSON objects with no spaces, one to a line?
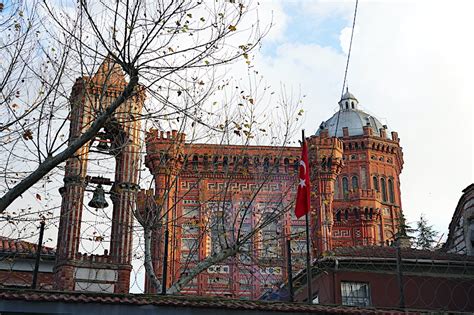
{"x":109,"y":272}
{"x":355,"y":201}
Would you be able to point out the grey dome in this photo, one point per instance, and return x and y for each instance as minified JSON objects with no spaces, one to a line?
{"x":352,"y":117}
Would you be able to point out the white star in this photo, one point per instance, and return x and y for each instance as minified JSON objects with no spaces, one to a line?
{"x":302,"y":183}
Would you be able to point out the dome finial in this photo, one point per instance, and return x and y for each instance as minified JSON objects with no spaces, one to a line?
{"x":348,"y":101}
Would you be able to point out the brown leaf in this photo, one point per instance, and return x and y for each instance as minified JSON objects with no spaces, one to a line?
{"x":232,"y":28}
{"x":38,"y":196}
{"x":28,"y":134}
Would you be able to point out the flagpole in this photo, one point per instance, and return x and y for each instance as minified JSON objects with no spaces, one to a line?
{"x":308,"y":256}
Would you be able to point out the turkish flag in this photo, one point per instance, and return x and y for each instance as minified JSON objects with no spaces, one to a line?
{"x":303,"y":194}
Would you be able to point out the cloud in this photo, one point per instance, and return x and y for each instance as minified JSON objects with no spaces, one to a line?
{"x":411,"y":64}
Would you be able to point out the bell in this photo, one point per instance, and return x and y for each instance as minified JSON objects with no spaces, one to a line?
{"x":98,"y":199}
{"x":102,"y":146}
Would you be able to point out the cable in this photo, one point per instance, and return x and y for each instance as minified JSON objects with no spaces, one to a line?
{"x":345,"y":77}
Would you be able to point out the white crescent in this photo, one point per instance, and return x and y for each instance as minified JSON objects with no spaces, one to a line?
{"x":302,"y":163}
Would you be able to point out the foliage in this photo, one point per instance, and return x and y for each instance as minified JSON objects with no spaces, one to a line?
{"x":425,"y":234}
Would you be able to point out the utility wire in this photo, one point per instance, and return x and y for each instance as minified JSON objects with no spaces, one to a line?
{"x":345,"y":77}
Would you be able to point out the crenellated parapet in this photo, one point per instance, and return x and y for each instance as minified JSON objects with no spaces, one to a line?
{"x":164,"y":150}
{"x":168,"y":152}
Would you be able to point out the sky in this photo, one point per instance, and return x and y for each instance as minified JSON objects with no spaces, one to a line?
{"x":411,"y":66}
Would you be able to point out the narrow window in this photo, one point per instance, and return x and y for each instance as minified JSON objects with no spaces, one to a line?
{"x":256,"y":163}
{"x":296,"y":166}
{"x":338,"y":216}
{"x":355,"y":183}
{"x":376,"y":183}
{"x":266,"y":165}
{"x":345,"y":187}
{"x":346,"y":214}
{"x":384,"y":189}
{"x":286,"y":163}
{"x":215,"y":163}
{"x":195,"y":163}
{"x":245,"y":164}
{"x":225,"y":164}
{"x":391,"y":193}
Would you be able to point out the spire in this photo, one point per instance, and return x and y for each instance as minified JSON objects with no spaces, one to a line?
{"x":109,"y":73}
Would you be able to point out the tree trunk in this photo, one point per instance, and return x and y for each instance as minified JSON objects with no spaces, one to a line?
{"x":148,"y":261}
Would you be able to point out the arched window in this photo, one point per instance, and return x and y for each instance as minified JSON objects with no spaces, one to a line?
{"x":376,"y":183}
{"x":195,"y":163}
{"x":286,"y":162}
{"x":384,"y":189}
{"x":347,"y":105}
{"x":225,"y":164}
{"x":345,"y":186}
{"x":352,"y":104}
{"x":205,"y":162}
{"x":346,"y":214}
{"x":355,"y":183}
{"x":296,"y":166}
{"x":338,"y":216}
{"x":215,"y":163}
{"x":356,"y":213}
{"x":266,"y":165}
{"x":256,"y":163}
{"x":276,"y":163}
{"x":336,"y":189}
{"x":391,"y":193}
{"x":245,"y":164}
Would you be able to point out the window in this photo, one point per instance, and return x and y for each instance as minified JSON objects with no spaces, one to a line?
{"x":225,"y":164}
{"x":383,"y":186}
{"x":270,"y":247}
{"x":195,"y":163}
{"x":215,"y":163}
{"x":345,"y":186}
{"x":391,"y":193}
{"x":266,"y":165}
{"x":355,"y":293}
{"x":355,"y":183}
{"x":376,"y":183}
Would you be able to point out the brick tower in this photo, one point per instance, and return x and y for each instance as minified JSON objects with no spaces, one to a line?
{"x":109,"y":272}
{"x":367,"y":200}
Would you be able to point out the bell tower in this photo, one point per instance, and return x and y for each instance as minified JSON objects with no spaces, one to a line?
{"x":110,"y":272}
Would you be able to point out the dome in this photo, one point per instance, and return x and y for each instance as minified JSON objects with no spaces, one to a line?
{"x":352,"y":117}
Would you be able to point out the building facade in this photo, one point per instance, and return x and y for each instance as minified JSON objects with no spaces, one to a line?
{"x":461,"y":229}
{"x":210,"y":195}
{"x":387,"y":277}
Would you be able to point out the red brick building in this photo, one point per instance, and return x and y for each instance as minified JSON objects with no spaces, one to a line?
{"x":372,"y":277}
{"x":17,"y":262}
{"x":355,"y":167}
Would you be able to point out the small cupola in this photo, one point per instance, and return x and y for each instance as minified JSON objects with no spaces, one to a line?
{"x":348,"y":101}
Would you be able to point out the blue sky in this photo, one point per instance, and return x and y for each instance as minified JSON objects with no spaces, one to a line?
{"x":411,"y":66}
{"x":303,"y":27}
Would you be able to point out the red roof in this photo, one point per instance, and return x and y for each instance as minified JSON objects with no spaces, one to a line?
{"x":184,"y":301}
{"x":12,"y":247}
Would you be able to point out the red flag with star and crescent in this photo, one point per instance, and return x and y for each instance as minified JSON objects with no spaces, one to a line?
{"x":303,"y":193}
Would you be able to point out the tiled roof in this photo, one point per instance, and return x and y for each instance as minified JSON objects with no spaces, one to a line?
{"x":12,"y":247}
{"x":390,"y":252}
{"x":183,"y":301}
